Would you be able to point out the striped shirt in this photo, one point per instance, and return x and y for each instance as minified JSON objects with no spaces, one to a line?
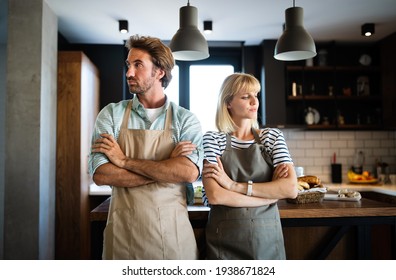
{"x":185,"y":126}
{"x":214,"y":144}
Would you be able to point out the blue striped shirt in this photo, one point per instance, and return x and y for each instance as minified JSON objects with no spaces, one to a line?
{"x":185,"y":126}
{"x":214,"y":144}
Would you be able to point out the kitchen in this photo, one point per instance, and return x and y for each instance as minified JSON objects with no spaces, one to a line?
{"x":312,"y":149}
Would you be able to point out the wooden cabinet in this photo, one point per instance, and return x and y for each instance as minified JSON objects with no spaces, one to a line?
{"x":77,"y":107}
{"x":341,"y":92}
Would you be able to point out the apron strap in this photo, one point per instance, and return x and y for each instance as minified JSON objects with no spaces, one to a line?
{"x":256,"y":137}
{"x":258,"y":142}
{"x":126,"y":115}
{"x":228,"y":139}
{"x":168,"y":120}
{"x":267,"y":158}
{"x":228,"y":142}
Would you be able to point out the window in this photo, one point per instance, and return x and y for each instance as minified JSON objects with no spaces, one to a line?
{"x":196,"y":84}
{"x":205,"y":83}
{"x":172,"y":91}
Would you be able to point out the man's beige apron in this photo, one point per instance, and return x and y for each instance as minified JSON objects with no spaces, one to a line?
{"x":239,"y":232}
{"x":149,"y":221}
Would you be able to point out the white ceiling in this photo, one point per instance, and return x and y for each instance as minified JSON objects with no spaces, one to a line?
{"x":250,"y":21}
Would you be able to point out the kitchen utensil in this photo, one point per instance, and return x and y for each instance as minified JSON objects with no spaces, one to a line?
{"x":336,"y":173}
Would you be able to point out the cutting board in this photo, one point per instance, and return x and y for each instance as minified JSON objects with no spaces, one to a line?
{"x":331,"y":196}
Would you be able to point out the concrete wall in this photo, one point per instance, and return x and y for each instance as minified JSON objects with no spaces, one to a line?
{"x":3,"y":56}
{"x":30,"y":133}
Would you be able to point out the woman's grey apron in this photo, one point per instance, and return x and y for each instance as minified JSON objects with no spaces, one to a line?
{"x":150,"y":221}
{"x":245,"y":233}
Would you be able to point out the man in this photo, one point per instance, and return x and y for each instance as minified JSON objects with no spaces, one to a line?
{"x":147,"y":149}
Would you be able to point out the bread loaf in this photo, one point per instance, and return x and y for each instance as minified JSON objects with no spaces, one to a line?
{"x":303,"y":185}
{"x":309,"y":181}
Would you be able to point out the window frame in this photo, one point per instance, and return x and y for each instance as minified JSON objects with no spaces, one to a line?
{"x":218,"y":56}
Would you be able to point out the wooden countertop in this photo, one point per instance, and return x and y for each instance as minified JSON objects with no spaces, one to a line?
{"x":325,"y":209}
{"x":378,"y":188}
{"x":337,"y":209}
{"x":100,"y":212}
{"x":95,"y":190}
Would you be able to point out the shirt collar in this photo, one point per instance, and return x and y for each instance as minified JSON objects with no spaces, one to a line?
{"x":137,"y":106}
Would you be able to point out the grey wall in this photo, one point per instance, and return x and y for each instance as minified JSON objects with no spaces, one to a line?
{"x":30,"y":131}
{"x":3,"y":56}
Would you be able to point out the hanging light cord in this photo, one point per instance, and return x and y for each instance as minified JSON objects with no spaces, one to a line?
{"x":294,"y":3}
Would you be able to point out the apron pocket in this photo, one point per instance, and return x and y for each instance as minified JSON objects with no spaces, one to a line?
{"x":116,"y":236}
{"x":250,"y":239}
{"x":234,"y":239}
{"x":177,"y":235}
{"x":269,"y":232}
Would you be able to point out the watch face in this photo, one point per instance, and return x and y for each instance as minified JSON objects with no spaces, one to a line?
{"x":365,"y":60}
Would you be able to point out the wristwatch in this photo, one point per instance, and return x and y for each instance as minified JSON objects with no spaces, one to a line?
{"x":249,"y":188}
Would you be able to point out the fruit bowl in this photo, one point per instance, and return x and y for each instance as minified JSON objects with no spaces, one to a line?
{"x":364,"y":181}
{"x":364,"y":178}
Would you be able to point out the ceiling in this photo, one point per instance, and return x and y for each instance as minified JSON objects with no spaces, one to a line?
{"x":250,"y":21}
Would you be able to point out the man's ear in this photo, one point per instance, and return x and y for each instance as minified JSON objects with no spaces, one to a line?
{"x":161,"y":73}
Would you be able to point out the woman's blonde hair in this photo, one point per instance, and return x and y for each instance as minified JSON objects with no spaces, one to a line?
{"x":233,"y":84}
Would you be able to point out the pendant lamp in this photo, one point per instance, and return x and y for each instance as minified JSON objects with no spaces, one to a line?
{"x":188,"y":43}
{"x":295,"y":42}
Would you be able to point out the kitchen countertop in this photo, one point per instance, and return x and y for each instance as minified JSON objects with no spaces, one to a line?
{"x":376,"y":207}
{"x":379,"y":188}
{"x":99,"y":190}
{"x":326,"y":209}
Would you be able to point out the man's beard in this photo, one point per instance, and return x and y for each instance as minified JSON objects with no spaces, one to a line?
{"x":141,"y":89}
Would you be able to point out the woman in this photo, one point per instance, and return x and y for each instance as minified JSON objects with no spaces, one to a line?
{"x":246,"y":170}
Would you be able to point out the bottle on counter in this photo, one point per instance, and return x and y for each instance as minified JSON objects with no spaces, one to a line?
{"x":358,"y":163}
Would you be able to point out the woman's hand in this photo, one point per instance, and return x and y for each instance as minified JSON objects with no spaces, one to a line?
{"x":281,"y":171}
{"x":216,"y":171}
{"x":109,"y":146}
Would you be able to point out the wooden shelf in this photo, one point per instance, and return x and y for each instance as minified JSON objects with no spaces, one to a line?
{"x":343,"y":127}
{"x":333,"y":90}
{"x":333,"y":98}
{"x":298,"y":68}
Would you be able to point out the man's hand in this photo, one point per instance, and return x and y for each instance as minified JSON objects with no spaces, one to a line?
{"x":109,"y":146}
{"x":183,"y":148}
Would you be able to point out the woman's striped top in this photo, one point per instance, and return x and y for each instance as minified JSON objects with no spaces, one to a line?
{"x":214,"y":144}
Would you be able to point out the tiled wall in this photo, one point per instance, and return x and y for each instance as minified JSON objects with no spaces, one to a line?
{"x":314,"y":149}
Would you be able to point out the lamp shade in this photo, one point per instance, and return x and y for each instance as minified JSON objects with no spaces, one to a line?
{"x":295,"y":42}
{"x":188,"y":43}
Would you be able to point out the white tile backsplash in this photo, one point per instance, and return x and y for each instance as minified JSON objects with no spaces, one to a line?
{"x":314,"y":149}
